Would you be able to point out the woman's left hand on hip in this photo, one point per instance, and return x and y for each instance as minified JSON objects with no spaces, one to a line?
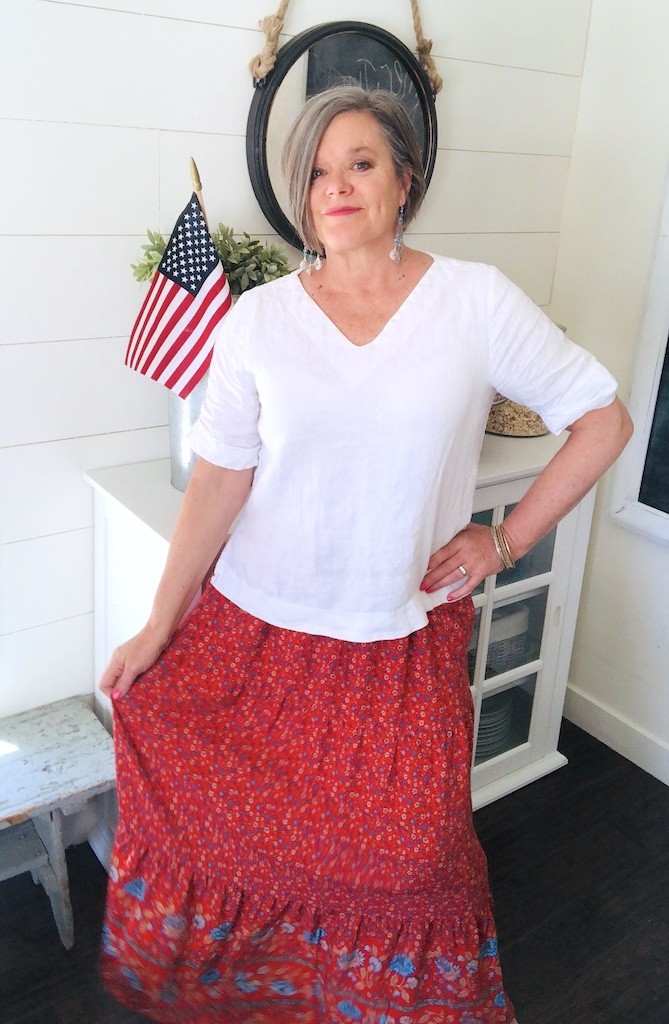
{"x":467,"y":559}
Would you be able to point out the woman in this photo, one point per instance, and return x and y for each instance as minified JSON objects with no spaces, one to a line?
{"x":295,"y":839}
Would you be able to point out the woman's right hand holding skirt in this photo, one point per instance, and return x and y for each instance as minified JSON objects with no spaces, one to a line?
{"x":131,"y":659}
{"x":213,"y":499}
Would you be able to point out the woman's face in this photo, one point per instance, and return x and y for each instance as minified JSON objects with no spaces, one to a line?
{"x":355,"y":192}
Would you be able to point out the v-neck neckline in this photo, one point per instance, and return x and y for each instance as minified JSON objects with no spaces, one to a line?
{"x":374,"y":342}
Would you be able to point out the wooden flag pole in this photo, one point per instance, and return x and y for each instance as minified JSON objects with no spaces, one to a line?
{"x":197,"y":188}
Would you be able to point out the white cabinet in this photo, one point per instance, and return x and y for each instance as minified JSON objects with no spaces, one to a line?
{"x":525,"y":618}
{"x":520,"y":650}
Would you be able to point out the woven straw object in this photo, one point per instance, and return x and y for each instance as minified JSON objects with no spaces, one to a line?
{"x":513,"y":420}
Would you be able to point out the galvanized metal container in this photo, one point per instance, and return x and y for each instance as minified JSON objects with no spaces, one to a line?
{"x":182,"y":413}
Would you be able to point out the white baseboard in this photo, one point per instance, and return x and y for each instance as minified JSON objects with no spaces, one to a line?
{"x":624,"y":736}
{"x":517,"y":779}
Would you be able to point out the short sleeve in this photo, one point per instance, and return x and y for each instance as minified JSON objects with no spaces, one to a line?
{"x":226,"y":431}
{"x":532,"y":361}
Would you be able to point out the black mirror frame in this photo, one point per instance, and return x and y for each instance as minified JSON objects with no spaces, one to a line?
{"x":265,"y":93}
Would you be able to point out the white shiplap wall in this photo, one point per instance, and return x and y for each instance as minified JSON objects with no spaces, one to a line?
{"x":611,"y":227}
{"x":100,"y":107}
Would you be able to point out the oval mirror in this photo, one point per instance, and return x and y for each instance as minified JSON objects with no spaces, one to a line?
{"x":313,"y":61}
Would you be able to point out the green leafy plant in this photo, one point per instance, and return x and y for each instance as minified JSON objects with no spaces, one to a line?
{"x":246,"y":261}
{"x":153,"y":253}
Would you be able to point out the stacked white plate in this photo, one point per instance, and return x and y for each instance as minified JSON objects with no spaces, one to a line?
{"x":494,"y":725}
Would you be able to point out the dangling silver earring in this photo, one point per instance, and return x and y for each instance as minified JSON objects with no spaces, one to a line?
{"x":307,"y":258}
{"x":310,"y":260}
{"x":396,"y":251}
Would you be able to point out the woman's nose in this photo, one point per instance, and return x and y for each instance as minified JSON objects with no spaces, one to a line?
{"x":337,"y":183}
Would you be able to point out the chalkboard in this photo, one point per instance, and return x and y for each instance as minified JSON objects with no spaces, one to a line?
{"x":654,"y":489}
{"x":352,"y":57}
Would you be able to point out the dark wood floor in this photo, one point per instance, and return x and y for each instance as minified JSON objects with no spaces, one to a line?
{"x":579,"y":865}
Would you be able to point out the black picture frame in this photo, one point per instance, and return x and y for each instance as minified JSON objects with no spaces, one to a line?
{"x":336,"y":51}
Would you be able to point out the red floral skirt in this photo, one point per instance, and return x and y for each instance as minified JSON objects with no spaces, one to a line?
{"x":295,"y":838}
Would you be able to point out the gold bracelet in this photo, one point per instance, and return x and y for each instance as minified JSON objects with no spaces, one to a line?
{"x":504,"y":541}
{"x":497,"y":545}
{"x":505,"y":545}
{"x":502,"y":546}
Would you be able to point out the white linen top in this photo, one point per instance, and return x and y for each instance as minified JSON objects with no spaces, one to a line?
{"x":366,"y":456}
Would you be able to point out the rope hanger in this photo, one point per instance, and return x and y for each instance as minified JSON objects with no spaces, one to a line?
{"x":272,"y":25}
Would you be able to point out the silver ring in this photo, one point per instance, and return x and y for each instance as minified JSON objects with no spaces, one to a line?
{"x":462,"y":569}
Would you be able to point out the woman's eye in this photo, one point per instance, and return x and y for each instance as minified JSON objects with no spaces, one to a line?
{"x":316,"y":173}
{"x":362,"y":165}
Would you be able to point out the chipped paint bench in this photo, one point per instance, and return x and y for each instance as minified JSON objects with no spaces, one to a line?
{"x":53,"y":760}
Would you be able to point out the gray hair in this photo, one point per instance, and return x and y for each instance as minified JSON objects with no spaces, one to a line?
{"x":304,"y":137}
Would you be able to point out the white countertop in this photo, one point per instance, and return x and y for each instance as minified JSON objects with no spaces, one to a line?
{"x":144,"y":489}
{"x":509,"y":458}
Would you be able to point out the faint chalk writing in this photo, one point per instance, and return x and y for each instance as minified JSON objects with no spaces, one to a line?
{"x":350,"y":57}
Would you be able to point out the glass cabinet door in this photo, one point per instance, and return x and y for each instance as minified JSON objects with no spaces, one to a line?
{"x":505,"y":651}
{"x":536,"y":562}
{"x":516,"y":629}
{"x":505,"y":718}
{"x":518,"y":656}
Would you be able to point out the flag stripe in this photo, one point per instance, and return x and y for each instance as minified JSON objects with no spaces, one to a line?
{"x":146,"y":313}
{"x":176,"y":374}
{"x":175,"y":296}
{"x":203,"y":347}
{"x":166,"y":293}
{"x":190,"y":321}
{"x":193,"y":374}
{"x":169,"y":319}
{"x":140,"y":316}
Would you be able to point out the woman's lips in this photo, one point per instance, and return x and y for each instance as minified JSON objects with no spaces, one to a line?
{"x":342,"y":211}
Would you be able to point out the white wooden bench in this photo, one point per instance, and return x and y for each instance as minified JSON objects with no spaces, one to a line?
{"x":53,"y":760}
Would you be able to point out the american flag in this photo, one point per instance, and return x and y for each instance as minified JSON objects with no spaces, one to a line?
{"x":171,"y":341}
